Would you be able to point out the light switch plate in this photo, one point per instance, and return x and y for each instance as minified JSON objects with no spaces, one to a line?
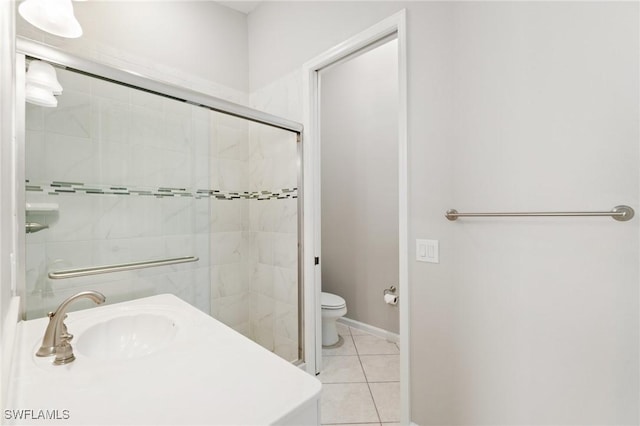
{"x":427,"y":251}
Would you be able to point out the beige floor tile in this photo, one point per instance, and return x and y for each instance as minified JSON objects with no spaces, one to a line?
{"x":387,"y":400}
{"x":347,"y":403}
{"x":373,"y":345}
{"x":343,"y":329}
{"x":381,"y":368}
{"x":347,"y":348}
{"x":341,"y":369}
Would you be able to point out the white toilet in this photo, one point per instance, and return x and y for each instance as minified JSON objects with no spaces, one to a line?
{"x":333,"y":307}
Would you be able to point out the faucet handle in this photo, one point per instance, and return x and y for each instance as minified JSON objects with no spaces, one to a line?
{"x":64,"y":351}
{"x":65,"y":333}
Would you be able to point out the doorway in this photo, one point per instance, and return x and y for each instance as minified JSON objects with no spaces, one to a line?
{"x":359,"y":185}
{"x":355,"y":168}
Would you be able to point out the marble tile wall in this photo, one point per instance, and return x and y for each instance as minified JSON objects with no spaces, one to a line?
{"x":229,"y":224}
{"x":273,"y":226}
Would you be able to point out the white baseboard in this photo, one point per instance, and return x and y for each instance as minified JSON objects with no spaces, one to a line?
{"x":387,"y":335}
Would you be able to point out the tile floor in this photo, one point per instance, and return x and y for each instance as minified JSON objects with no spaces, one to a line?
{"x":360,"y":381}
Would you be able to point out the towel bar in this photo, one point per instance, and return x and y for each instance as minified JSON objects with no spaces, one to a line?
{"x":95,"y":270}
{"x":619,"y":213}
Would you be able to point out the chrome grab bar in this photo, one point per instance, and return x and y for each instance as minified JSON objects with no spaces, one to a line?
{"x":619,"y":213}
{"x":105,"y":269}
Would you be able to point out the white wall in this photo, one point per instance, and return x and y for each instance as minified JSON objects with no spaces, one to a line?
{"x":544,"y":114}
{"x":272,"y":25}
{"x":359,"y":127}
{"x":512,"y":106}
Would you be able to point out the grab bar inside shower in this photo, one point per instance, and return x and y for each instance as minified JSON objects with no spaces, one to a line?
{"x":619,"y":213}
{"x":105,"y":269}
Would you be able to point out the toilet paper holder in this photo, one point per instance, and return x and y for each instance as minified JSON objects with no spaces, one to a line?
{"x":391,"y":289}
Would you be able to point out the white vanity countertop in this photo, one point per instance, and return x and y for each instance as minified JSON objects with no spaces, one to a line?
{"x":207,"y":374}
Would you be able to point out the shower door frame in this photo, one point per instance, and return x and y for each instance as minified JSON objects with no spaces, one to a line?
{"x":26,"y":48}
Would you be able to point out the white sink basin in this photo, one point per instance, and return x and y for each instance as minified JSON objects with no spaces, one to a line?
{"x":126,"y":337}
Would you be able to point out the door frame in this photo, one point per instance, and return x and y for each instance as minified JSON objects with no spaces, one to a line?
{"x":394,"y":24}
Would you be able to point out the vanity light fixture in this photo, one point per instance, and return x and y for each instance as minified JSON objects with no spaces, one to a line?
{"x":44,"y":75}
{"x":42,"y":84}
{"x":53,"y":16}
{"x":40,"y":96}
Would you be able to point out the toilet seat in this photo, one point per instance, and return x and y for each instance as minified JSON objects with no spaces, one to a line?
{"x":331,"y":301}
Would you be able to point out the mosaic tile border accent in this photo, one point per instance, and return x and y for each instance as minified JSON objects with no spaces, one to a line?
{"x":78,"y":188}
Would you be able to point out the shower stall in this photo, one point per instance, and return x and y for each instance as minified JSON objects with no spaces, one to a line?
{"x":131,"y":170}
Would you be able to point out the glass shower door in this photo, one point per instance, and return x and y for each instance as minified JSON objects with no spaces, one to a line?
{"x":118,"y":175}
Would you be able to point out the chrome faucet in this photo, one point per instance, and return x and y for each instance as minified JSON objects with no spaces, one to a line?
{"x":56,"y":338}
